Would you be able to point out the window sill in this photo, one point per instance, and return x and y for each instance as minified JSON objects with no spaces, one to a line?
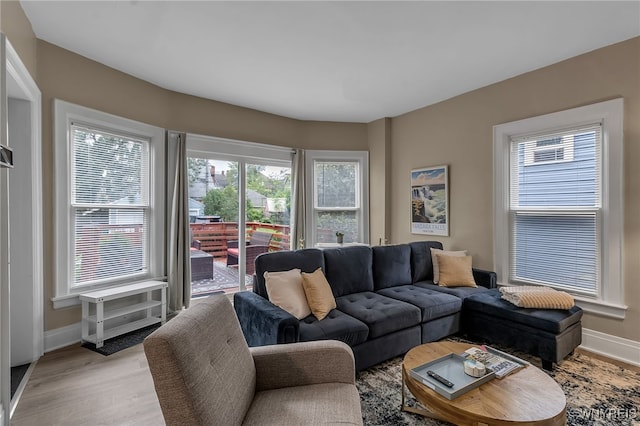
{"x":602,"y":308}
{"x":67,"y":301}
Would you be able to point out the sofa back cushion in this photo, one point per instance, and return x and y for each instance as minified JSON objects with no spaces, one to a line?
{"x":391,"y":266}
{"x":348,"y":269}
{"x":202,"y":368}
{"x":307,"y":260}
{"x":421,"y":264}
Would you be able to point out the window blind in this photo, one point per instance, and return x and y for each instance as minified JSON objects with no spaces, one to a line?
{"x":109,"y":204}
{"x":555,"y":208}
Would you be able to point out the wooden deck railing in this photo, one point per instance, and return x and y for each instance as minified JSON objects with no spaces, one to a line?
{"x":213,"y":237}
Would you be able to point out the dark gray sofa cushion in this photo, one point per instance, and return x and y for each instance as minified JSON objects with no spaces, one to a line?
{"x":374,"y":351}
{"x":381,"y":314}
{"x":308,"y":260}
{"x":421,"y":265}
{"x":461,"y":292}
{"x":391,"y":266}
{"x":432,"y":304}
{"x":336,"y":325}
{"x":552,"y":320}
{"x":348,"y":269}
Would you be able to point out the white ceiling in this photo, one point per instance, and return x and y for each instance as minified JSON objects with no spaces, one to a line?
{"x":341,"y":61}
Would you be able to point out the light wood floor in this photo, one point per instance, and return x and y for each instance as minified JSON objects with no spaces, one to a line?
{"x":75,"y":386}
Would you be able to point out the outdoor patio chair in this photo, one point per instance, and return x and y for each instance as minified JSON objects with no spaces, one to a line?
{"x":258,"y":243}
{"x":205,"y":374}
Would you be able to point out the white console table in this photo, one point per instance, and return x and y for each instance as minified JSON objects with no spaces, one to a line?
{"x":102,"y":314}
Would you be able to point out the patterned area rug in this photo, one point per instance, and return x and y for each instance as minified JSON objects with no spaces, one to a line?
{"x":223,"y":278}
{"x":598,"y":393}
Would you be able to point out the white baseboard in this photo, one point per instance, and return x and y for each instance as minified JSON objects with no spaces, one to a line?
{"x":61,"y":337}
{"x":613,"y":347}
{"x":72,"y":334}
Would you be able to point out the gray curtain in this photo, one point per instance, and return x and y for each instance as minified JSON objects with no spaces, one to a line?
{"x":299,"y":201}
{"x":179,"y":242}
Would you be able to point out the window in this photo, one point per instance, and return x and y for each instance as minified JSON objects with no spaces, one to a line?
{"x":109,"y":230}
{"x":558,"y":188}
{"x":337,"y":181}
{"x":555,"y":209}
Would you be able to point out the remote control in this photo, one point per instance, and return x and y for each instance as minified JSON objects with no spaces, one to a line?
{"x":439,"y":378}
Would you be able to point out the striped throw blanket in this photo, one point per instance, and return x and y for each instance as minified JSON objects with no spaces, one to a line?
{"x":537,"y":297}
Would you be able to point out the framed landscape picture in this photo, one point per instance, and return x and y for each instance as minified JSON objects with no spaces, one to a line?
{"x":430,"y":201}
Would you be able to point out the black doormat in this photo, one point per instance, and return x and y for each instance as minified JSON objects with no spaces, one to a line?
{"x":124,"y":341}
{"x":17,"y":374}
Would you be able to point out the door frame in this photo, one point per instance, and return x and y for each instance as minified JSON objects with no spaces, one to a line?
{"x":20,"y":82}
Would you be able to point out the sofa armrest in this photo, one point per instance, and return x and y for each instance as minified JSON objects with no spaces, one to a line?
{"x":487,"y":279}
{"x":305,"y":363}
{"x":262,"y":322}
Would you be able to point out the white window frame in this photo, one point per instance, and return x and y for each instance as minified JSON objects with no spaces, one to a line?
{"x":362,"y":209}
{"x":609,"y":300}
{"x":66,"y":113}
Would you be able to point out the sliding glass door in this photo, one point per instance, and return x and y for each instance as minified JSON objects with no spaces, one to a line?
{"x":213,"y":223}
{"x":239,"y":208}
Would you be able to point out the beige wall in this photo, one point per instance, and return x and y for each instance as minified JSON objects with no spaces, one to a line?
{"x":379,"y":135}
{"x":458,"y":132}
{"x":15,"y":25}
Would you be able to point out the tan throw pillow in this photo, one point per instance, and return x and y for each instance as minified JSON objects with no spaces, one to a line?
{"x":434,"y":261}
{"x":455,"y":271}
{"x":285,"y":290}
{"x":319,"y":295}
{"x":537,"y":297}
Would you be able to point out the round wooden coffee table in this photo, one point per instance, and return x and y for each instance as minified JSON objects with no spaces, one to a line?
{"x":527,"y":397}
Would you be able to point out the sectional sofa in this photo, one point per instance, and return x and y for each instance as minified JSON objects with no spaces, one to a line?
{"x":385,"y":296}
{"x":387,"y":303}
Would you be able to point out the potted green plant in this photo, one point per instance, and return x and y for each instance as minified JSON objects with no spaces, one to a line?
{"x":340,"y":237}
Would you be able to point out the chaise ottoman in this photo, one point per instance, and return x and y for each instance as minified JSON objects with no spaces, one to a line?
{"x":551,"y":334}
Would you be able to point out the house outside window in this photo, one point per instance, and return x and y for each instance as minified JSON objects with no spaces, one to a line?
{"x":558,"y":186}
{"x":552,"y":149}
{"x":109,"y":201}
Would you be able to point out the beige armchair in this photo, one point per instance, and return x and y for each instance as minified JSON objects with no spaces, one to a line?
{"x":205,"y":374}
